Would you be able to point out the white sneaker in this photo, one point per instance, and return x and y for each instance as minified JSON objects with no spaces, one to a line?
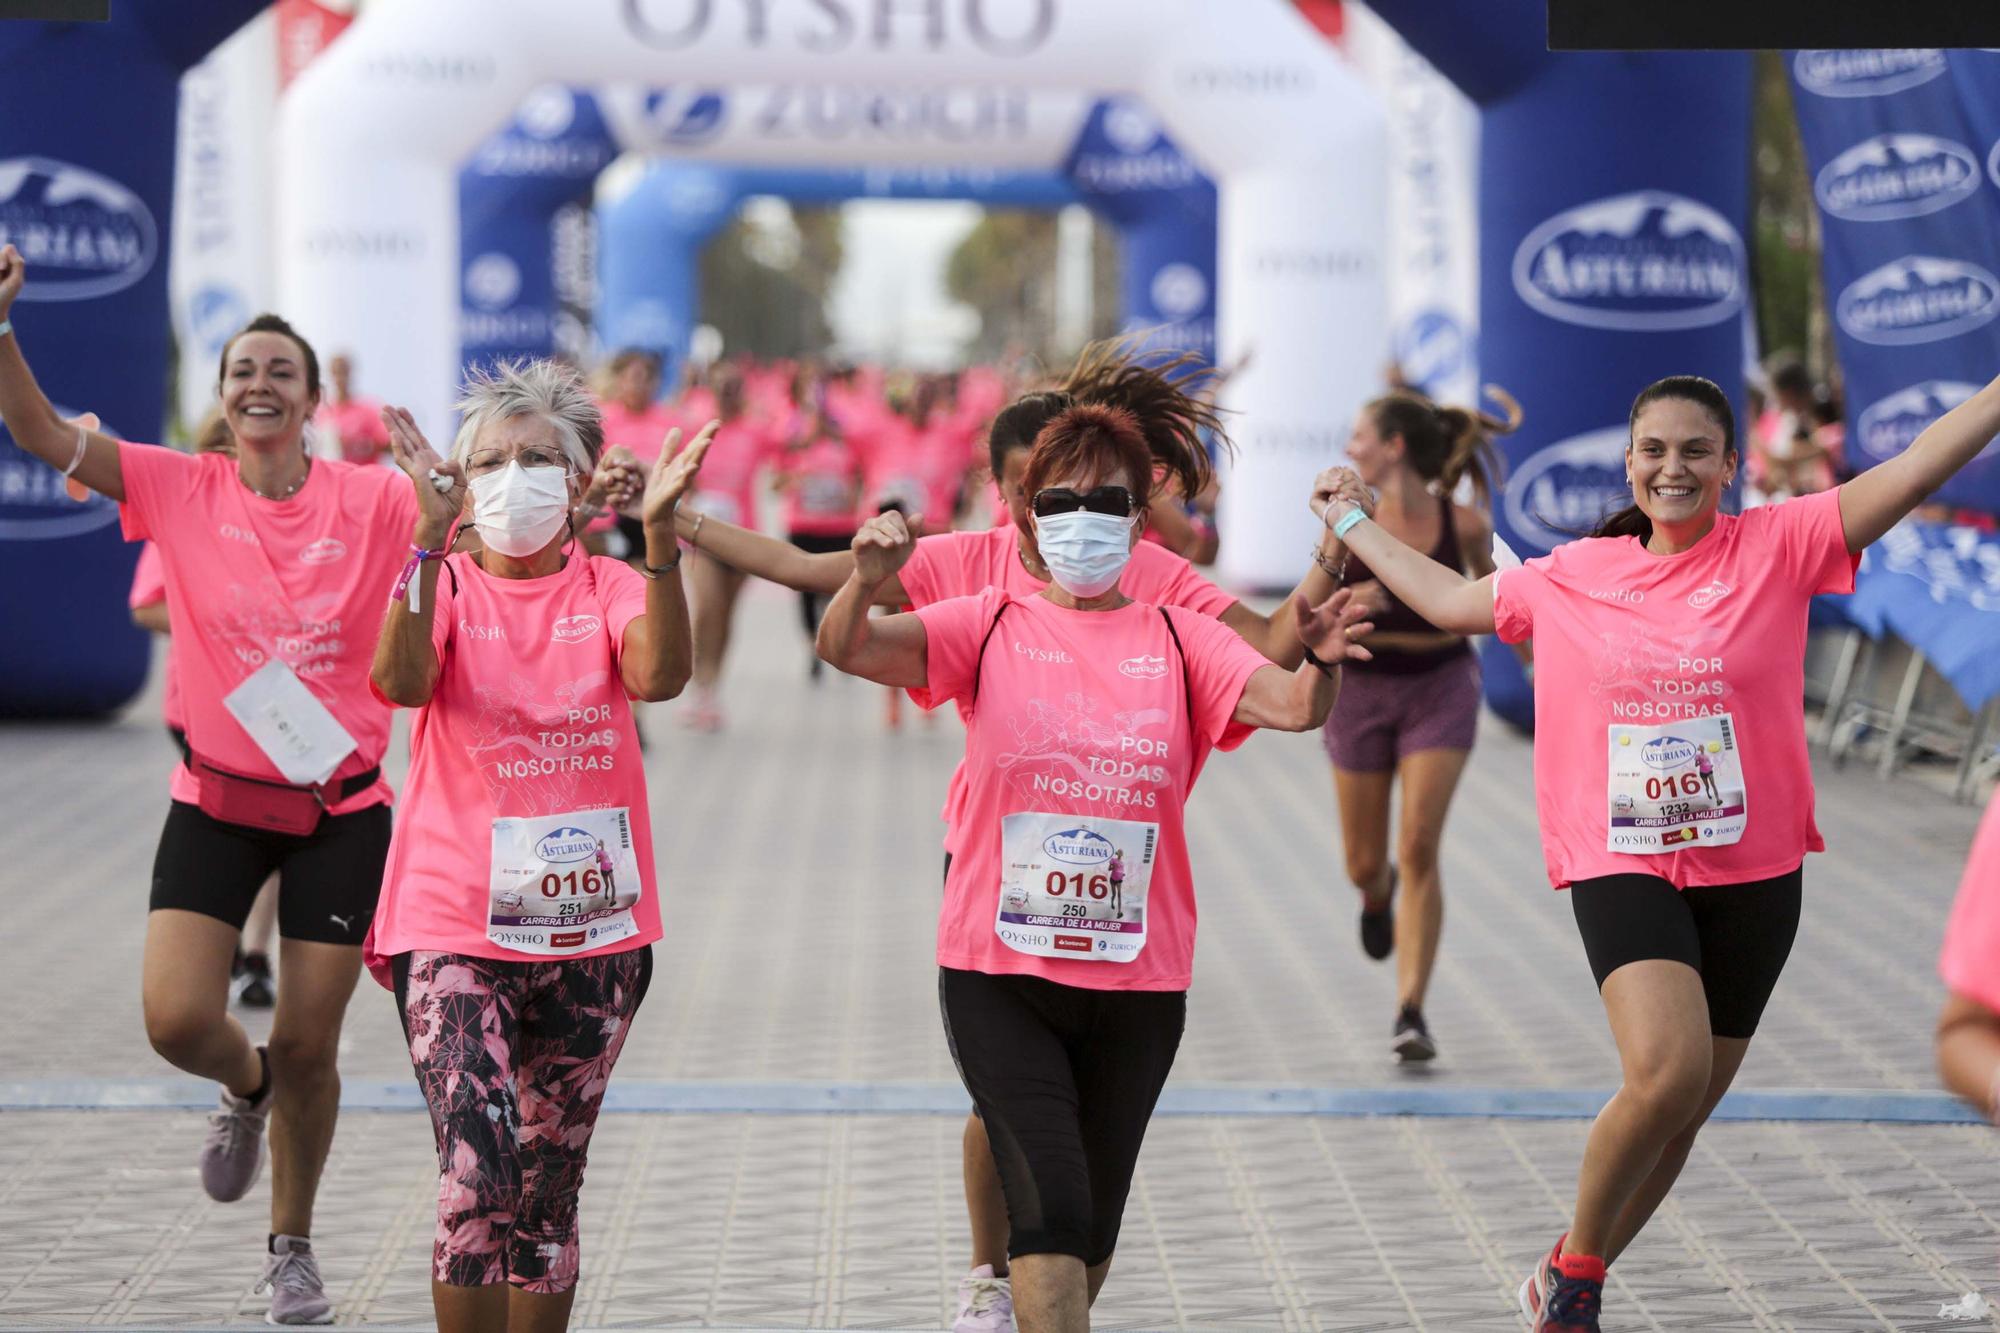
{"x":985,"y":1303}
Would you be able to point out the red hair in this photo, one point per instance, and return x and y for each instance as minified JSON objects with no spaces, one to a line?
{"x":1093,"y":440}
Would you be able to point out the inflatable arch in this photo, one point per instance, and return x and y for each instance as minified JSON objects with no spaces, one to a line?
{"x":373,"y":134}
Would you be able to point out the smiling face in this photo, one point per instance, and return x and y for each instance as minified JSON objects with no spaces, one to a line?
{"x":1678,"y":463}
{"x":1369,"y":453}
{"x":265,"y":395}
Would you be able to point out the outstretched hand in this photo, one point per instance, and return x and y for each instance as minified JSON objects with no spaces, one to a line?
{"x":1331,"y":628}
{"x":884,"y":545}
{"x":1338,"y":489}
{"x":440,"y":484}
{"x":618,"y":483}
{"x":673,"y":475}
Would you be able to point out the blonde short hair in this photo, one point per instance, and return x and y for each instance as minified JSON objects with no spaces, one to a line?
{"x":539,"y":388}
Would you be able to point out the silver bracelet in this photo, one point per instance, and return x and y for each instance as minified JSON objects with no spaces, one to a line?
{"x":82,"y":438}
{"x":700,"y":517}
{"x":6,"y":327}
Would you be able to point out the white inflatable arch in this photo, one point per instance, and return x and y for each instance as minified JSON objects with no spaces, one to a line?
{"x":373,"y":134}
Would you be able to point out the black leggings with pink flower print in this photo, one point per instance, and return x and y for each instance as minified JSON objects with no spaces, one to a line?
{"x":513,"y":1059}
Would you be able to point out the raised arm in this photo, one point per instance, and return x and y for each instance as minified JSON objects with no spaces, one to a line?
{"x":890,"y":650}
{"x":1879,"y":498}
{"x":1299,"y":700}
{"x":406,"y":665}
{"x":1277,"y":635}
{"x":32,"y":420}
{"x":658,"y":654}
{"x":1442,"y":596}
{"x":778,"y":561}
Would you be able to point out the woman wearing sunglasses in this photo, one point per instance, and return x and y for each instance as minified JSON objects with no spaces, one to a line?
{"x":519,"y":906}
{"x":1169,"y":405}
{"x":1089,"y":714}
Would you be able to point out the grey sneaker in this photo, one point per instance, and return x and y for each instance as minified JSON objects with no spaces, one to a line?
{"x":985,"y":1303}
{"x":292,"y":1275}
{"x":233,"y":1153}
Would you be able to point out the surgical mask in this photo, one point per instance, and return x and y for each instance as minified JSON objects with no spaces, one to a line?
{"x":1085,"y":552}
{"x":518,"y":510}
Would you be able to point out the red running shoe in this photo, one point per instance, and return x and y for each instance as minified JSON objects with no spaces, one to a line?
{"x":1565,"y":1293}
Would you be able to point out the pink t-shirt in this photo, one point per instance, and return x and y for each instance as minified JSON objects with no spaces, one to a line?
{"x":641,"y":432}
{"x":1627,"y":638}
{"x":303,"y":579}
{"x":821,"y":482}
{"x":727,"y":486}
{"x":529,"y":718}
{"x":149,"y":588}
{"x":1080,"y":713}
{"x":357,"y":424}
{"x":1970,"y":962}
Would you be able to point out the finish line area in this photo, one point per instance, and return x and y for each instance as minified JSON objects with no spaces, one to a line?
{"x":783,"y":1143}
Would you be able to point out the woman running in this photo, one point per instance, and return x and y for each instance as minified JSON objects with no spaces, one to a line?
{"x":1174,"y":419}
{"x":520,"y":906}
{"x":1968,"y":1033}
{"x":1674,"y":626}
{"x":274,"y":563}
{"x":1063,"y":1020}
{"x":1411,"y":711}
{"x":728,"y":492}
{"x":820,"y":475}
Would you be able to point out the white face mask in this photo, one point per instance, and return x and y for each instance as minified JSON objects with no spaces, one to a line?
{"x":519,"y":510}
{"x":1085,"y":552}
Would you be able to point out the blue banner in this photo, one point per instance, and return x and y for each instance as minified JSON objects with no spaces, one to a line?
{"x":87,"y":117}
{"x":527,"y":280}
{"x":1937,"y":588}
{"x":1900,"y":144}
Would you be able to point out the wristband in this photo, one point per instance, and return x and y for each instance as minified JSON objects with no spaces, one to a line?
{"x":1347,"y":521}
{"x":408,"y":581}
{"x":1326,"y":668}
{"x":654,"y":571}
{"x":76,"y":459}
{"x":1338,"y":573}
{"x":6,"y":327}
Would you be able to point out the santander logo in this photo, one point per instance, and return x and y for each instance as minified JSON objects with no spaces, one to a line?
{"x":324,"y":551}
{"x":1703,"y":598}
{"x":575,"y":629}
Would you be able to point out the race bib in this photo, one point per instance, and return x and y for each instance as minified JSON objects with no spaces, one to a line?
{"x":563,"y":884}
{"x":303,"y":740}
{"x":824,"y":496}
{"x":716,"y":505}
{"x":1074,"y":886}
{"x":1676,"y":785}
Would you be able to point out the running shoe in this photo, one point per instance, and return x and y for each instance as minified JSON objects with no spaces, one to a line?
{"x":985,"y":1303}
{"x":1413,"y":1042}
{"x":250,"y":982}
{"x":232,"y":1154}
{"x":1378,"y":924}
{"x":1564,"y":1294}
{"x":291,"y":1274}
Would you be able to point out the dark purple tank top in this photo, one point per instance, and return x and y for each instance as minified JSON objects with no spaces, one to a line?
{"x":1401,"y":619}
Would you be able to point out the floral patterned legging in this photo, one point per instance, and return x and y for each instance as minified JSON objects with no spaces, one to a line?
{"x":513,"y":1059}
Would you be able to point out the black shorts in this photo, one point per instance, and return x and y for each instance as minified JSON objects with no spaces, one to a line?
{"x":328,"y":880}
{"x":821,"y":543}
{"x":1065,"y":1079}
{"x":1737,"y":936}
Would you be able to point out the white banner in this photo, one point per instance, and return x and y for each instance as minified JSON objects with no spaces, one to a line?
{"x":222,"y":263}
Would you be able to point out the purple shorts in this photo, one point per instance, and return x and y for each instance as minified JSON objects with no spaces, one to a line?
{"x":1381,"y":717}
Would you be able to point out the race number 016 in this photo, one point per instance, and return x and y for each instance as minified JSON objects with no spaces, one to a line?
{"x":589,"y":885}
{"x":1687,"y":784}
{"x":1098,"y":886}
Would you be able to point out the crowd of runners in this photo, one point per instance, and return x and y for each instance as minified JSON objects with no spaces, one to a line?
{"x":1018,"y":551}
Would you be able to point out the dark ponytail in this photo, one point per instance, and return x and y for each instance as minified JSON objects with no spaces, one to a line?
{"x":1631,"y":521}
{"x":1448,"y":444}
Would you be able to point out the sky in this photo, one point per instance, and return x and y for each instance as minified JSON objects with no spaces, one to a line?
{"x":889,"y":301}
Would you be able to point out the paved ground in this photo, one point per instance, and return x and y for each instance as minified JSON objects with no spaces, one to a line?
{"x":799,"y":858}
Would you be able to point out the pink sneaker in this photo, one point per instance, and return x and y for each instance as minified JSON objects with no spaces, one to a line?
{"x":985,"y":1303}
{"x":291,"y":1274}
{"x":232,"y":1154}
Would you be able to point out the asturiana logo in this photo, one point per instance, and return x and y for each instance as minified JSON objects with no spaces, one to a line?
{"x":1892,"y":423}
{"x":563,"y":845}
{"x":1078,"y":846}
{"x":1639,"y":262}
{"x":575,"y":629}
{"x":1144,"y":667}
{"x":1704,"y":597}
{"x":1895,"y":176}
{"x":1866,"y":73}
{"x":84,"y":235}
{"x":1918,"y":299}
{"x":1567,"y":487}
{"x":1667,"y":752}
{"x":324,"y":551}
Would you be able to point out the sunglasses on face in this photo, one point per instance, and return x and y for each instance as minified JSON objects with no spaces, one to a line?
{"x":1114,"y":500}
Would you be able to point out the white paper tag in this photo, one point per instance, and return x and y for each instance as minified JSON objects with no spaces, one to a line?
{"x":304,"y":741}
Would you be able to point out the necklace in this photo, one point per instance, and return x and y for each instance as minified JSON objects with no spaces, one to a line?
{"x":285,"y":494}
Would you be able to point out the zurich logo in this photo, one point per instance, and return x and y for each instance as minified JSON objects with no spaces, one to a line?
{"x":214,"y":315}
{"x":686,"y":117}
{"x":1566,"y":488}
{"x":1179,"y":291}
{"x":1897,"y":176}
{"x":1639,"y":262}
{"x":575,"y":629}
{"x":1432,"y":348}
{"x":1130,"y":129}
{"x":567,"y":844}
{"x":1667,"y":752}
{"x":1078,"y":847}
{"x":1866,"y":73}
{"x":492,"y":281}
{"x":1889,"y":425}
{"x":83,"y":235}
{"x":1918,"y":299}
{"x":547,"y":111}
